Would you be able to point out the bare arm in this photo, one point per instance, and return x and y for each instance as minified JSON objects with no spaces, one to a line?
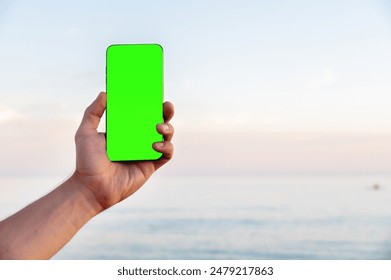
{"x":42,"y":228}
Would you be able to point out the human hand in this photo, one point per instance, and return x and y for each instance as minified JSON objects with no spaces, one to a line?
{"x":112,"y":182}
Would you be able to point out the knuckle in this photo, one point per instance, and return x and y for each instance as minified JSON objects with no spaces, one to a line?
{"x":170,"y":150}
{"x":77,"y":134}
{"x":172,"y":130}
{"x":169,"y":155}
{"x":87,"y":111}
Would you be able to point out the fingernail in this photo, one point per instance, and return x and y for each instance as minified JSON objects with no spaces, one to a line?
{"x":165,"y":127}
{"x":159,"y":145}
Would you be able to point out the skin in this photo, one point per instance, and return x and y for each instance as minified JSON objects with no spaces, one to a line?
{"x":41,"y":229}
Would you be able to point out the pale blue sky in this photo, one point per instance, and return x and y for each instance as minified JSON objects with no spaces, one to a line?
{"x":259,"y":86}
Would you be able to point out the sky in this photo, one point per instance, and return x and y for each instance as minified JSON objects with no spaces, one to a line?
{"x":260,"y":87}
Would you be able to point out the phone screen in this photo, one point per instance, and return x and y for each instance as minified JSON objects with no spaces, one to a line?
{"x":134,"y":86}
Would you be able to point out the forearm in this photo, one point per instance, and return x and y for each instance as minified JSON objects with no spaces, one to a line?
{"x":41,"y":229}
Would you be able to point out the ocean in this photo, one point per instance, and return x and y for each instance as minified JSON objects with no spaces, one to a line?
{"x":231,"y":217}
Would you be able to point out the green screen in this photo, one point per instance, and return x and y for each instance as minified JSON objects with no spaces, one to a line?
{"x":134,"y":85}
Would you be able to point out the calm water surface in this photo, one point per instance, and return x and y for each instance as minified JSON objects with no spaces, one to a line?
{"x":262,"y":217}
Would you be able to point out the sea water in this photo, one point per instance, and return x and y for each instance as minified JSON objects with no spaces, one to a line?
{"x":232,"y":217}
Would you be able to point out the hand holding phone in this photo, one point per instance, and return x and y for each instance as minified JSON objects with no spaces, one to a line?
{"x":111,"y":182}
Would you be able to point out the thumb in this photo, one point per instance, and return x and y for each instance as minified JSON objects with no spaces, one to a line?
{"x":93,"y":113}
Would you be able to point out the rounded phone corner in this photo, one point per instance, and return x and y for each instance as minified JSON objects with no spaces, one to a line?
{"x":158,"y":156}
{"x":109,"y":47}
{"x":160,"y":46}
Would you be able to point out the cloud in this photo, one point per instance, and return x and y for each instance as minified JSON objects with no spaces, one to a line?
{"x":37,"y":146}
{"x":8,"y":114}
{"x":42,"y":146}
{"x":243,"y":152}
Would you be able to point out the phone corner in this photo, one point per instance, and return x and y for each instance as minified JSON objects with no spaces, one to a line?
{"x":157,"y":156}
{"x":109,"y":47}
{"x":159,"y":46}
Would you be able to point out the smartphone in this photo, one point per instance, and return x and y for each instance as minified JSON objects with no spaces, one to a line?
{"x":134,"y":86}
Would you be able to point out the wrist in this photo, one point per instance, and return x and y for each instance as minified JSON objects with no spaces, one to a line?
{"x":88,"y":197}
